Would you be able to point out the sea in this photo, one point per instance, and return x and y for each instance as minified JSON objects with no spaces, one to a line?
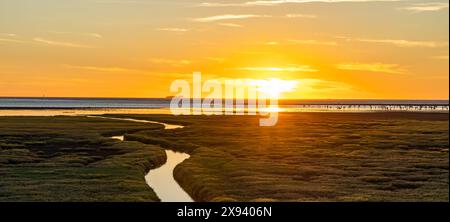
{"x":88,"y":106}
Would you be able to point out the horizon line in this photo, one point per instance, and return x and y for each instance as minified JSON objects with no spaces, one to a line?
{"x":169,"y":97}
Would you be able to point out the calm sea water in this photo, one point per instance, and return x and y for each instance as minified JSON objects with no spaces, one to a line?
{"x":58,"y":106}
{"x":82,"y":103}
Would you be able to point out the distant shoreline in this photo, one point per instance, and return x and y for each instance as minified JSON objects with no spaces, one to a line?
{"x":169,"y":98}
{"x":76,"y":108}
{"x":146,"y":106}
{"x":281,"y":101}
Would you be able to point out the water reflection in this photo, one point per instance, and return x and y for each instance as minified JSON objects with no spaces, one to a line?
{"x":121,"y":138}
{"x":78,"y":112}
{"x":166,"y":125}
{"x":443,"y":108}
{"x":161,"y":180}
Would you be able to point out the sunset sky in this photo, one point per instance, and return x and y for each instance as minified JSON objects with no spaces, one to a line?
{"x":332,"y":49}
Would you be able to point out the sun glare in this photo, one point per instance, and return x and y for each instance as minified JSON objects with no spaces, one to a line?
{"x":275,"y":87}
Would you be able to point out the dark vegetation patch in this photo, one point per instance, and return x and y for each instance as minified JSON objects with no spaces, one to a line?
{"x":70,"y":159}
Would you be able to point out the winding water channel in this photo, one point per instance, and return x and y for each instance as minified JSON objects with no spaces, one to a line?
{"x":161,"y":179}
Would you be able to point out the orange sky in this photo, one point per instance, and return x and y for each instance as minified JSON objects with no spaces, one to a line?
{"x":348,"y":49}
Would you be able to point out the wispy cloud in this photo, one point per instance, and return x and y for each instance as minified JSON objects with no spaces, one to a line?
{"x":404,"y":43}
{"x":301,"y":16}
{"x":219,"y":4}
{"x":61,"y":44}
{"x":426,"y":7}
{"x":10,"y":37}
{"x":8,"y":34}
{"x":229,"y":17}
{"x":400,"y":42}
{"x":272,"y":43}
{"x":39,"y":40}
{"x":92,"y":35}
{"x":11,"y":40}
{"x":296,"y":68}
{"x":171,"y":62}
{"x":312,"y":42}
{"x":103,"y":69}
{"x":233,"y":25}
{"x":172,"y":29}
{"x":372,"y":67}
{"x":318,"y":86}
{"x":95,"y":35}
{"x":280,"y":2}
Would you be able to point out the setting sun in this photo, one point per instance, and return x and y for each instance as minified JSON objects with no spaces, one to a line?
{"x":274,"y":87}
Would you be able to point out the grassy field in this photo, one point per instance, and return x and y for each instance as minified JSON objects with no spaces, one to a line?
{"x":311,"y":157}
{"x":72,"y":159}
{"x":306,"y":157}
